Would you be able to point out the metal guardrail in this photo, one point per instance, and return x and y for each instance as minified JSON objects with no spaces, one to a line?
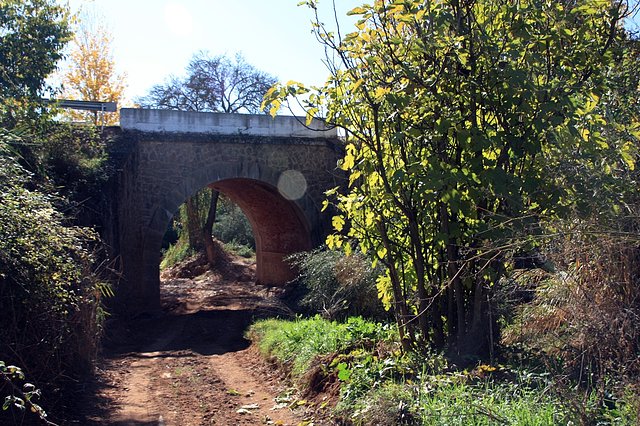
{"x":84,"y":105}
{"x":95,"y":106}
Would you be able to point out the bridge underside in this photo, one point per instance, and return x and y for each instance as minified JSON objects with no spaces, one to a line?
{"x":279,"y":227}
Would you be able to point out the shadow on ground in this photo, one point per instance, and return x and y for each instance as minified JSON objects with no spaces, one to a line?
{"x":205,"y":315}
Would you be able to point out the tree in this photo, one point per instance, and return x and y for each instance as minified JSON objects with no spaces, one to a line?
{"x":91,"y":75}
{"x":212,"y":84}
{"x":32,"y":35}
{"x":459,"y":116}
{"x":49,"y":305}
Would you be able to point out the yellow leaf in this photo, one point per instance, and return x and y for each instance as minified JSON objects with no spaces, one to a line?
{"x":347,"y":249}
{"x":369,"y":219}
{"x":380,"y":92}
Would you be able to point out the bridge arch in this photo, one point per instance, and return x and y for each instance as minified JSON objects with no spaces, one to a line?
{"x":277,"y":179}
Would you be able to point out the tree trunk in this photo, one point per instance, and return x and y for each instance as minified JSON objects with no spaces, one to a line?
{"x":193,"y":224}
{"x":207,"y":230}
{"x":401,"y":311}
{"x":419,"y":265}
{"x":452,"y":276}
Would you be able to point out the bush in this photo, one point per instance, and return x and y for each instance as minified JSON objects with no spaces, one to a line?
{"x":232,"y":226}
{"x":583,"y":320}
{"x":73,"y":163}
{"x":336,"y":285}
{"x":49,"y":295}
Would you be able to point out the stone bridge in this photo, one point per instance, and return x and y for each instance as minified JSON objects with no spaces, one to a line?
{"x":275,"y":170}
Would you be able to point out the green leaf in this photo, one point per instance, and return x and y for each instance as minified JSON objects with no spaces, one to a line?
{"x":344,"y":374}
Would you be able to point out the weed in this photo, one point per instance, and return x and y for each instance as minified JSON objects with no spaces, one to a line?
{"x":176,"y":253}
{"x":379,"y":384}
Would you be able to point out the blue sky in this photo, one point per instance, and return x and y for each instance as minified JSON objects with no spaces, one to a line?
{"x":153,"y":39}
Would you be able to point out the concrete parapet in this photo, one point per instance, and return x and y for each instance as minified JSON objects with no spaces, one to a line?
{"x":155,"y":120}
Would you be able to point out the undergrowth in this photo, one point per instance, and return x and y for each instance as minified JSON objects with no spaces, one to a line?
{"x":379,"y":384}
{"x":176,"y":253}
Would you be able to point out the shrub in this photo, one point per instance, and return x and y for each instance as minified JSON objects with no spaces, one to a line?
{"x":336,"y":285}
{"x":49,"y":294}
{"x":583,"y":320}
{"x":74,"y":164}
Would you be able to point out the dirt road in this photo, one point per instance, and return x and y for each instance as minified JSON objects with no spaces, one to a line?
{"x":191,"y":365}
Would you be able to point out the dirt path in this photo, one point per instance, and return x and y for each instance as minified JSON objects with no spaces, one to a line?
{"x":191,"y":365}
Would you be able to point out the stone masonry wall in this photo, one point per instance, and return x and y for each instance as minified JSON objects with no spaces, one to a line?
{"x":278,"y":180}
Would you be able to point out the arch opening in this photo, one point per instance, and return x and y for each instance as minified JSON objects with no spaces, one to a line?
{"x":279,"y":227}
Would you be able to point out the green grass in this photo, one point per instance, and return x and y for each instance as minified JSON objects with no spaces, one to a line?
{"x":381,"y":385}
{"x":175,"y":254}
{"x":488,"y":404}
{"x":297,"y":343}
{"x":438,"y":403}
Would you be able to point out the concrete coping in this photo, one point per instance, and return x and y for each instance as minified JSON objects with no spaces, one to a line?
{"x":171,"y":121}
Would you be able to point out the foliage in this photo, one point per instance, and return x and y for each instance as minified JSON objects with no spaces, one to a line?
{"x":32,"y":35}
{"x":20,"y":398}
{"x":175,"y":254}
{"x":488,"y":403}
{"x":449,"y":401}
{"x":73,"y":160}
{"x":239,"y":250}
{"x":337,"y":286}
{"x":298,"y":343}
{"x":583,"y":320}
{"x":385,"y":406}
{"x":50,"y":312}
{"x":91,"y":74}
{"x":459,"y":119}
{"x":213,"y":84}
{"x":379,"y":384}
{"x":232,"y":226}
{"x":49,"y":293}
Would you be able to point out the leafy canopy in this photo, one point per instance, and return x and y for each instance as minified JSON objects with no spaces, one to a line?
{"x":459,"y":118}
{"x":91,"y":75}
{"x":32,"y":35}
